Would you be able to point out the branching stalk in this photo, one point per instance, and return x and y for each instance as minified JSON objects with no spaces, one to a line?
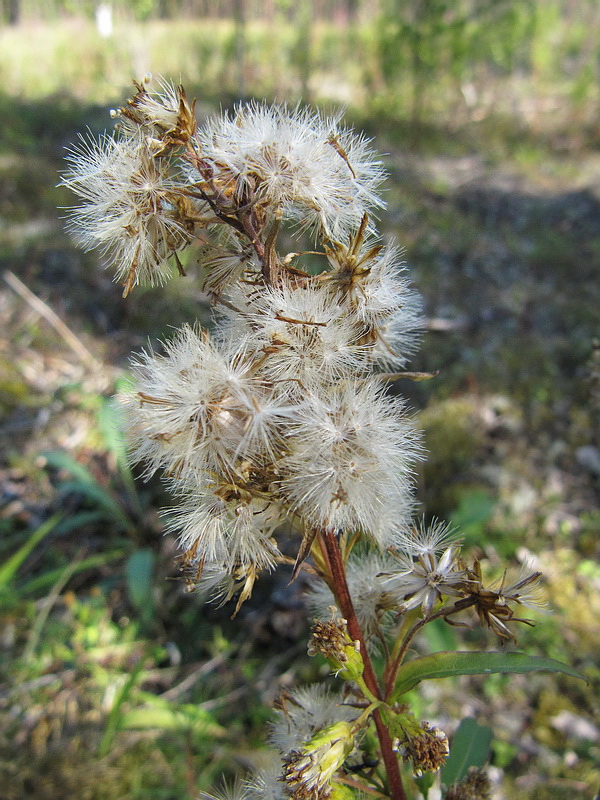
{"x":339,"y":586}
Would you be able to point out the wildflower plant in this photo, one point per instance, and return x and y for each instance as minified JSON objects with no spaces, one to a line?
{"x":281,"y":420}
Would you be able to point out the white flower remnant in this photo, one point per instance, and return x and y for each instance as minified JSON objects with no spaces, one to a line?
{"x":304,"y":712}
{"x":133,"y":208}
{"x":279,"y":417}
{"x":375,"y":605}
{"x":351,"y":458}
{"x":294,"y":163}
{"x":280,"y":420}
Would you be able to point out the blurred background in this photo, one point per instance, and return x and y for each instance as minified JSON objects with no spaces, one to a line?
{"x":114,"y":682}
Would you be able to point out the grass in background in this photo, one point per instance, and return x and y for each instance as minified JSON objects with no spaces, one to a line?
{"x":114,"y":682}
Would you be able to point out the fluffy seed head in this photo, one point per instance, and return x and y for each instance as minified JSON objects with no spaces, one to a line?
{"x":373,"y":602}
{"x":277,"y":417}
{"x":352,"y":452}
{"x":305,"y":338}
{"x":304,"y":711}
{"x":132,"y":209}
{"x":199,"y":409}
{"x":308,"y":168}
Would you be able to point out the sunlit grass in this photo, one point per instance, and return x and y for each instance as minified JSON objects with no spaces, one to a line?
{"x":71,"y":57}
{"x":91,"y":630}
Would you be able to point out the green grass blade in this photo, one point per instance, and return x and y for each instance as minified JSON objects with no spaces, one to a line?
{"x":79,"y":520}
{"x":163,"y":716}
{"x":139,"y":572}
{"x":58,"y":459}
{"x":85,"y":484}
{"x":45,"y":609}
{"x":11,"y":565}
{"x":109,"y":416}
{"x":49,"y":578}
{"x":113,"y":723}
{"x":100,"y":497}
{"x":448,"y":665}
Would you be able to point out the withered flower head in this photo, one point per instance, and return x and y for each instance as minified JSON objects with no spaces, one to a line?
{"x":430,"y":569}
{"x":167,"y":115}
{"x":427,"y":749}
{"x":476,"y":786}
{"x":332,"y":640}
{"x":494,"y":604}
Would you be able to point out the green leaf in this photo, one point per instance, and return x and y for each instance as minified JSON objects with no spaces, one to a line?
{"x":108,"y":422}
{"x":440,"y":636}
{"x":79,"y":520}
{"x":448,"y":665}
{"x":470,"y":748}
{"x":57,"y":459}
{"x":111,"y":427}
{"x":85,"y":484}
{"x":98,"y":495}
{"x":139,"y":573}
{"x":115,"y":717}
{"x":474,"y":511}
{"x":50,"y":577}
{"x":12,"y":564}
{"x":166,"y":717}
{"x":45,"y":609}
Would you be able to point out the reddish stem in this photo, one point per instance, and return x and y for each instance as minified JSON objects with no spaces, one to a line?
{"x":344,"y":599}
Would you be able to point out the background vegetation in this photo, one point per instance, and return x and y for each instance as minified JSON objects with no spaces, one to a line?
{"x":115,"y":683}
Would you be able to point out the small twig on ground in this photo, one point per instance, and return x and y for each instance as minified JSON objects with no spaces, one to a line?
{"x":192,"y":678}
{"x":217,"y":702}
{"x":52,"y":319}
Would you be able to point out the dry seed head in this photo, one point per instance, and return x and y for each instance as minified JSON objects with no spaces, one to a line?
{"x":373,"y":602}
{"x":351,"y":457}
{"x":427,"y":750}
{"x":286,"y":160}
{"x":278,"y":416}
{"x":304,"y":711}
{"x":331,"y":640}
{"x":476,"y":786}
{"x":132,"y":207}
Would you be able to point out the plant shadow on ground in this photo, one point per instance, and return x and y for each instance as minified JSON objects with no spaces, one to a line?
{"x":117,"y":683}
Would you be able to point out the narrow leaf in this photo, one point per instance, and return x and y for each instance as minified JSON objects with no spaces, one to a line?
{"x":12,"y":564}
{"x":139,"y":572}
{"x":86,"y":485}
{"x":470,"y":748}
{"x":57,"y":459}
{"x":50,"y":577}
{"x":98,"y":495}
{"x":187,"y":717}
{"x":108,"y":417}
{"x":111,"y":428}
{"x":448,"y":665}
{"x":44,"y":610}
{"x":115,"y":717}
{"x":440,"y":636}
{"x":80,"y":520}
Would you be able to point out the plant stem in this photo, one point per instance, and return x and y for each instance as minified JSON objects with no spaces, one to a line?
{"x":403,"y":637}
{"x":344,"y":600}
